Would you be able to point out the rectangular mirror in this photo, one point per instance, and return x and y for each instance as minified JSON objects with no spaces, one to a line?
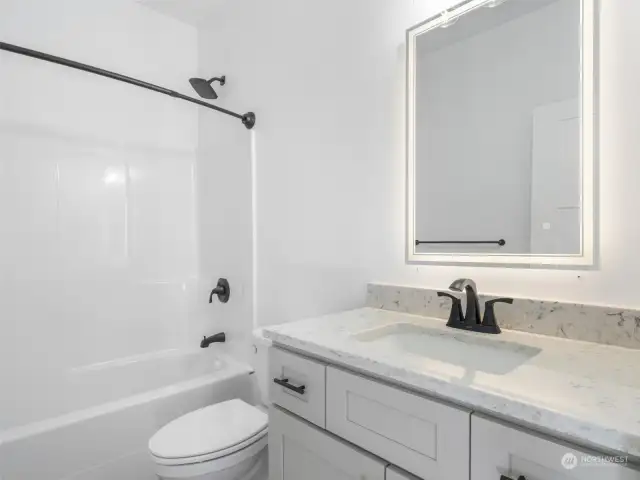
{"x":501,"y":137}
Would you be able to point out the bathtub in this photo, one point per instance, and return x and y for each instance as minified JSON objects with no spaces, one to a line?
{"x":97,"y":419}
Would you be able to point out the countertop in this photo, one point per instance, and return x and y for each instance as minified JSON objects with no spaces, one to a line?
{"x":584,"y":392}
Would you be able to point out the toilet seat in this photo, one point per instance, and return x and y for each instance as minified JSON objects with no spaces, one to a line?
{"x":232,"y":428}
{"x":240,"y":463}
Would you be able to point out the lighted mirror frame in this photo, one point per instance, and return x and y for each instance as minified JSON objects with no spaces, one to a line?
{"x":588,"y":145}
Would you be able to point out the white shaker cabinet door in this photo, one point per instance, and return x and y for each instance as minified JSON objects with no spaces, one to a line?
{"x":425,"y":437}
{"x":299,"y":451}
{"x":498,"y":449}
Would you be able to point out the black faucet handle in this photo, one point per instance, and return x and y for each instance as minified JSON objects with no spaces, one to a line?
{"x":448,"y":295}
{"x":455,"y":316}
{"x":489,"y":319}
{"x":498,"y":300}
{"x":222,"y":290}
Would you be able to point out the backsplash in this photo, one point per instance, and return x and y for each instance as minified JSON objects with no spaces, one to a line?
{"x":610,"y":326}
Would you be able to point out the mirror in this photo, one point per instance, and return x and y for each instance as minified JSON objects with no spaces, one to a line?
{"x":501,"y":133}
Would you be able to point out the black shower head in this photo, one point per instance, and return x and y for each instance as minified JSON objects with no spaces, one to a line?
{"x":204,"y":88}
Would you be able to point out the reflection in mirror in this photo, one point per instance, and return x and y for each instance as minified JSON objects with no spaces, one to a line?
{"x":497,"y":131}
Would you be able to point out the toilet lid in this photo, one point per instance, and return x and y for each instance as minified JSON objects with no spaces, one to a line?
{"x":208,"y":430}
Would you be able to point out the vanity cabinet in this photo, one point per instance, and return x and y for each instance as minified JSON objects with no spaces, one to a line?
{"x":500,"y":449}
{"x":299,"y":451}
{"x":340,"y":425}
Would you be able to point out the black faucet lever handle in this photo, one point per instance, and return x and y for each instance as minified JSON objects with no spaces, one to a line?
{"x":448,"y":295}
{"x":498,"y":300}
{"x":222,"y":290}
{"x":455,"y":316}
{"x":489,"y":319}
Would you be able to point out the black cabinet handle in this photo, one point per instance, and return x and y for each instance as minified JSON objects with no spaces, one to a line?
{"x":504,"y":477}
{"x":284,"y":382}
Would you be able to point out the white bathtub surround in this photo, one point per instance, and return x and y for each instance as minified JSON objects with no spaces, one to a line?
{"x":107,"y":258}
{"x":99,"y":423}
{"x":584,"y":392}
{"x":589,"y":323}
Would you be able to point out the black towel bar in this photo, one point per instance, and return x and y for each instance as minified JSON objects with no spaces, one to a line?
{"x":500,"y":242}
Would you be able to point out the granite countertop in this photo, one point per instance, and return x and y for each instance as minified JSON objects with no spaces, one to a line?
{"x":585,"y":392}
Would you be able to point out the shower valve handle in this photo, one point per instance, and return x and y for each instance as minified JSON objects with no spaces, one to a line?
{"x":222,"y":290}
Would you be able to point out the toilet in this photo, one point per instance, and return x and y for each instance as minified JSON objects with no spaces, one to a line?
{"x":225,"y":441}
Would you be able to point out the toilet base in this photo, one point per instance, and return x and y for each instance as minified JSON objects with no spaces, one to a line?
{"x":253,"y":468}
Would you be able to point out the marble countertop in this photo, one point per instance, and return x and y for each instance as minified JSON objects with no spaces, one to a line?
{"x":584,"y":392}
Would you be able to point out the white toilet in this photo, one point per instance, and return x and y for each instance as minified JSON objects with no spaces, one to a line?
{"x":225,"y":441}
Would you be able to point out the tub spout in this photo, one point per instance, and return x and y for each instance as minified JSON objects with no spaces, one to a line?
{"x":217,"y":338}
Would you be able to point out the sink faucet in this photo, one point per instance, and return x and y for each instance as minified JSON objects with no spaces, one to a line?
{"x":472,"y":315}
{"x":471,"y":320}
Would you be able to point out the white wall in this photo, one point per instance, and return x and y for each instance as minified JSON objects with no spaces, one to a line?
{"x":327,"y":82}
{"x":475,"y":102}
{"x":97,"y":231}
{"x":324,"y":102}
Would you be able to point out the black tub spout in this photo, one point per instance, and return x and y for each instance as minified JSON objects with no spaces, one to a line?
{"x":217,"y":338}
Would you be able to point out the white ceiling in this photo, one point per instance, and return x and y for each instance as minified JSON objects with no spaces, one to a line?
{"x":199,"y":13}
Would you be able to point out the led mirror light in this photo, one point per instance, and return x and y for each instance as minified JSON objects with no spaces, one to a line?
{"x":494,"y":3}
{"x":585,"y":100}
{"x":447,"y":20}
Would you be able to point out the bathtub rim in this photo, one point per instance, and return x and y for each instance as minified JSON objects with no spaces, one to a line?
{"x":232,"y":369}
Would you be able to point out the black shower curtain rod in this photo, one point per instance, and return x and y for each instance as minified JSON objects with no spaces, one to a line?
{"x":248,"y":119}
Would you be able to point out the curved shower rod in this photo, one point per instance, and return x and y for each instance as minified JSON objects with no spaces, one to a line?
{"x":248,"y":119}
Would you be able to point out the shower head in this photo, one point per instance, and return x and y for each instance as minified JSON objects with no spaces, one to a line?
{"x":204,"y":88}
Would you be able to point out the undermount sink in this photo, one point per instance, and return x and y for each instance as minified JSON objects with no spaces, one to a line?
{"x":473,"y":351}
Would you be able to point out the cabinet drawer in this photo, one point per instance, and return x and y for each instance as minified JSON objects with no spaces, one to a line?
{"x":422,"y":436}
{"x":302,"y":385}
{"x":299,"y":451}
{"x":499,"y":449}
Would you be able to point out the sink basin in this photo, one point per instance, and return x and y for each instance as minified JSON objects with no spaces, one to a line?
{"x":473,"y":351}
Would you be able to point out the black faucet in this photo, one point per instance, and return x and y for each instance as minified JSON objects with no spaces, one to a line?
{"x":471,"y":320}
{"x":217,"y":338}
{"x":473,"y":307}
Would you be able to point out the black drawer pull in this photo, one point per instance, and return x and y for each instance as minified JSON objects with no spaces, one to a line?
{"x":284,"y":382}
{"x":504,"y":477}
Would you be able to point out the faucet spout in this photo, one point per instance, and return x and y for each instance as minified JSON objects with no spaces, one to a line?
{"x":217,"y":338}
{"x":472,"y":314}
